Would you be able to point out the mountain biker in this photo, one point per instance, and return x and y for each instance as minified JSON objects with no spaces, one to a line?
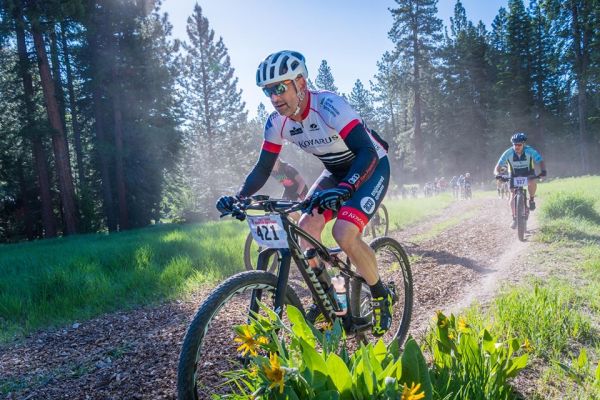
{"x":520,"y":160}
{"x":356,"y":174}
{"x":503,"y":172}
{"x":467,"y":185}
{"x":294,"y":185}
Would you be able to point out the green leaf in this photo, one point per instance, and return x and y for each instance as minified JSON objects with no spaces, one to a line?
{"x":582,"y":360}
{"x":489,"y":343}
{"x":328,"y":395}
{"x":380,"y":351}
{"x":315,"y":363}
{"x":300,"y":327}
{"x":368,"y":373}
{"x":339,"y":375}
{"x":598,"y":373}
{"x":414,"y":368}
{"x":516,"y":365}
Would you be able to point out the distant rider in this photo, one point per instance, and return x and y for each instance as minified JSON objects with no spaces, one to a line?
{"x":520,"y":160}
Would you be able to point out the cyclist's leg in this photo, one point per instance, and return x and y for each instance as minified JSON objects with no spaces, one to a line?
{"x":352,"y":218}
{"x":532,"y":187}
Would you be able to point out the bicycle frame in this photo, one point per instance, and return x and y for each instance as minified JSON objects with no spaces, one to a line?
{"x":330,"y":256}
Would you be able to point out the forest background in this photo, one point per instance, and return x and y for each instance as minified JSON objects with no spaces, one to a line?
{"x":108,"y":123}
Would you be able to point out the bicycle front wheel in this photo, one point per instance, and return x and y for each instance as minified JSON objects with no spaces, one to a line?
{"x":209,"y":351}
{"x":521,"y":216}
{"x":394,"y":271}
{"x":251,"y":252}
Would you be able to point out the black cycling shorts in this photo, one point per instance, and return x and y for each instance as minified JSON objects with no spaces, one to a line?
{"x":361,"y":207}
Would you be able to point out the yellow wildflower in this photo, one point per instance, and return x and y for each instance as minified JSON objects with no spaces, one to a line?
{"x":411,"y":393}
{"x":463,"y":326}
{"x":274,"y":372}
{"x":527,"y":346}
{"x":248,"y":343}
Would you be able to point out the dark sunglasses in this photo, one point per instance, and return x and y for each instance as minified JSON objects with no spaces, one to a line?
{"x":277,"y":90}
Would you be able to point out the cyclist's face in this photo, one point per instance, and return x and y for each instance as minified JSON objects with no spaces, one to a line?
{"x":284,"y":96}
{"x":518,"y":147}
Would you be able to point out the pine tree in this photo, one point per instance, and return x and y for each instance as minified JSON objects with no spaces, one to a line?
{"x":361,"y":99}
{"x":415,"y":32}
{"x":390,"y":94}
{"x":462,"y":113}
{"x":324,"y":79}
{"x":216,"y":113}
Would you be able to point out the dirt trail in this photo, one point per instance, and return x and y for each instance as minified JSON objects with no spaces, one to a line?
{"x":133,"y":355}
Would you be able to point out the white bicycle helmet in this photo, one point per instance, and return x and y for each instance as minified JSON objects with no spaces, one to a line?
{"x":281,"y":66}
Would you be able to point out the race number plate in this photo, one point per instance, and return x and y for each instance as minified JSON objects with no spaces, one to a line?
{"x":520,"y":181}
{"x":268,"y":231}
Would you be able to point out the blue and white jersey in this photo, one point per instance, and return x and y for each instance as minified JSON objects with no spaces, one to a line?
{"x":520,"y":165}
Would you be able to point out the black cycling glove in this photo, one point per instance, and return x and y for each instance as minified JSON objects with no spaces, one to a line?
{"x":329,"y":199}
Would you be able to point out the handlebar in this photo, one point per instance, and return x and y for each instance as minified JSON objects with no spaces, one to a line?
{"x":266,"y":204}
{"x":508,"y":178}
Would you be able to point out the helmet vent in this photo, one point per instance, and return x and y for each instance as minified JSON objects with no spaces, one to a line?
{"x":283,"y":69}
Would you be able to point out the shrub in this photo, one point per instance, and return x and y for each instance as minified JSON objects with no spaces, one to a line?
{"x":570,"y":205}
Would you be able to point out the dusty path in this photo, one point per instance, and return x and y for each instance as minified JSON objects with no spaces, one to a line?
{"x":133,"y":355}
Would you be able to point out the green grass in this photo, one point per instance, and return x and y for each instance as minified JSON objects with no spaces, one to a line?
{"x":61,"y":280}
{"x":58,"y":281}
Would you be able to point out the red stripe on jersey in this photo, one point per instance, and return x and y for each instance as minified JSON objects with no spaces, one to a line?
{"x":271,"y":147}
{"x":344,"y":132}
{"x":353,"y":215}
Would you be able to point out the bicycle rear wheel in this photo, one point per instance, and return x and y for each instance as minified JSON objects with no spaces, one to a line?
{"x":208,"y":350}
{"x":394,"y":270}
{"x":379,"y":224}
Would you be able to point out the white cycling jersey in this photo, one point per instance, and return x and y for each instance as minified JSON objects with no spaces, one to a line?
{"x":326,"y":122}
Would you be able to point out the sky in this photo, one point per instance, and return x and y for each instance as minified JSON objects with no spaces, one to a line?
{"x":351,"y":35}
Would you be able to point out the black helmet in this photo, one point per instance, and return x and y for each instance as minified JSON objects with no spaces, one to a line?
{"x":519,"y":137}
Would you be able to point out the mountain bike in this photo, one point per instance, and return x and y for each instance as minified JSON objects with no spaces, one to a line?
{"x":378,"y":226}
{"x":208,"y":351}
{"x":519,"y":185}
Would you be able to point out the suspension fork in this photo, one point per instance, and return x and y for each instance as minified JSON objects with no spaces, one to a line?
{"x":285,"y":258}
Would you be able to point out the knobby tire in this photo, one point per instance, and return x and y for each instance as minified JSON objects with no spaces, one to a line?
{"x":201,"y":357}
{"x":521,"y":217}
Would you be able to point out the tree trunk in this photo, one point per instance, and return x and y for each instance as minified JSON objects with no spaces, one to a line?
{"x":119,"y":167}
{"x":56,"y":75}
{"x":39,"y":156}
{"x":63,"y":168}
{"x":581,"y":49}
{"x":103,"y":145}
{"x":72,"y":105}
{"x":417,"y":134}
{"x":26,"y":202}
